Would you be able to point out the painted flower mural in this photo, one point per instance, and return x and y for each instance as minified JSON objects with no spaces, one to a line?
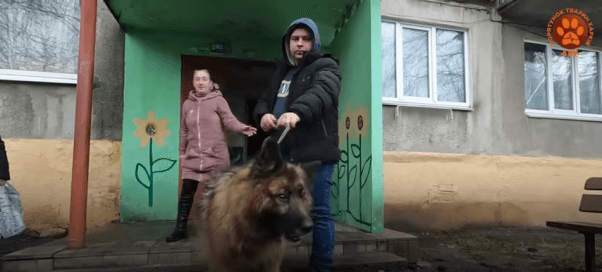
{"x":353,"y":170}
{"x":355,"y":121}
{"x":345,"y":123}
{"x":362,"y":122}
{"x":150,"y":129}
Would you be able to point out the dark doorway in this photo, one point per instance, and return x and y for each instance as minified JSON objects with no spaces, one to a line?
{"x":241,"y":82}
{"x":254,"y":143}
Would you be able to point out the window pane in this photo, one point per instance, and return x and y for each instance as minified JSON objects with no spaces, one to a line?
{"x":450,"y":66}
{"x":563,"y":85}
{"x":415,"y":63}
{"x":589,"y":78}
{"x":536,"y":95}
{"x":39,"y":36}
{"x":388,"y":60}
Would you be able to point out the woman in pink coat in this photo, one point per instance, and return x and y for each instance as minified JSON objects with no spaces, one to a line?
{"x":203,"y":147}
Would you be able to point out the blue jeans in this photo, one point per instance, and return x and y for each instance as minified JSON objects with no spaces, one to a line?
{"x":323,"y":234}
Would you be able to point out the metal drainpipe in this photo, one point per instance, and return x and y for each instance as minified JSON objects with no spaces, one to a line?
{"x":83,"y":111}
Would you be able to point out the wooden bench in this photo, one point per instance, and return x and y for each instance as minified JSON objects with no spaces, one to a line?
{"x":589,"y":203}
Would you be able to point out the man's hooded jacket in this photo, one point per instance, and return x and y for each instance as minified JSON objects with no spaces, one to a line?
{"x":313,"y":95}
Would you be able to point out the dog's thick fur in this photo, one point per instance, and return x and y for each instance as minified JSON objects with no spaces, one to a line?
{"x":250,"y":210}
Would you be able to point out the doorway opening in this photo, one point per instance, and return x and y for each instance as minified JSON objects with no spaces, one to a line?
{"x":241,"y":82}
{"x":254,"y":143}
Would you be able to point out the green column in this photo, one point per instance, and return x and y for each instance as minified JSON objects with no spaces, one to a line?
{"x":149,"y":183}
{"x":358,"y":191}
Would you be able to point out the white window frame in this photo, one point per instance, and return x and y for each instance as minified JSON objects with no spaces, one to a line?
{"x":552,"y":112}
{"x":34,"y":76}
{"x":431,"y":101}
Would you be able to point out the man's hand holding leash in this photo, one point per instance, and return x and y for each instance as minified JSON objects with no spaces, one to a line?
{"x":288,"y":119}
{"x":269,"y":122}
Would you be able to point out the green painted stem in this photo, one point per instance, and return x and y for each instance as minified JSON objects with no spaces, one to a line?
{"x":348,"y":172}
{"x":361,"y":171}
{"x":150,"y":178}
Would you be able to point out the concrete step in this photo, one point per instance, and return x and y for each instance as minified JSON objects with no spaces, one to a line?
{"x":372,"y":261}
{"x":376,"y":261}
{"x":350,"y":243}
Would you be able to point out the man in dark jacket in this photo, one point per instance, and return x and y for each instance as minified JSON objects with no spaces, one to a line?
{"x":304,"y":95}
{"x":4,"y":174}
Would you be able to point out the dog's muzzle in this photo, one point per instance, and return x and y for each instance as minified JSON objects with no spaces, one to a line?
{"x":295,"y":235}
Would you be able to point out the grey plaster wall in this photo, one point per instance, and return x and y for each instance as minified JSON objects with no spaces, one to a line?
{"x":444,"y":130}
{"x":47,"y":111}
{"x":534,"y":136}
{"x":497,"y":123}
{"x":36,"y":110}
{"x":107,"y":119}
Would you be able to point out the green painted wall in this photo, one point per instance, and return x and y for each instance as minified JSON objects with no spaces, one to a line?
{"x":233,"y":19}
{"x":152,"y":86}
{"x":358,"y":191}
{"x":376,"y":114}
{"x":152,"y":82}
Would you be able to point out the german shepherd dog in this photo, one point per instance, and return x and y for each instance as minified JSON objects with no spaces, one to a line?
{"x":249,"y":211}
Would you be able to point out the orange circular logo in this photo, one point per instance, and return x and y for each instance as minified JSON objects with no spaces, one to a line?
{"x":570,"y":28}
{"x":570,"y":31}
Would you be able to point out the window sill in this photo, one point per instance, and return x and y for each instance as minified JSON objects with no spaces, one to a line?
{"x":547,"y":115}
{"x":32,"y":76}
{"x":425,"y":105}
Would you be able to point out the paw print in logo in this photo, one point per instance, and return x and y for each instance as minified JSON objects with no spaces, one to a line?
{"x":570,"y":31}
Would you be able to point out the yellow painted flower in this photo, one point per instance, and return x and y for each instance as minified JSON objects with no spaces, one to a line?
{"x":354,"y":121}
{"x":345,"y":121}
{"x":151,"y":127}
{"x":361,"y":122}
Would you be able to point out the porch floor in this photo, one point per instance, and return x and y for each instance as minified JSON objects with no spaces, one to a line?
{"x":142,"y":244}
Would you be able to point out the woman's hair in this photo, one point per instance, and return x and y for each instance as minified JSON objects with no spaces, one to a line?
{"x":215,"y":86}
{"x":203,"y":70}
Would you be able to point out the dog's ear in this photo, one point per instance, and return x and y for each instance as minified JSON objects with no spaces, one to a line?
{"x":269,"y":159}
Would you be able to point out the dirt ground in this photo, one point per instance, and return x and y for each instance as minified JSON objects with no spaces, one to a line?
{"x":503,"y":249}
{"x":464,"y":250}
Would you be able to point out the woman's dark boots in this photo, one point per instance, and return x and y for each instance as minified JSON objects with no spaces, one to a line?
{"x":185,"y":204}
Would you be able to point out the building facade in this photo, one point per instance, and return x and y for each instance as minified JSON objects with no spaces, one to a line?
{"x":451,"y":113}
{"x":502,"y":128}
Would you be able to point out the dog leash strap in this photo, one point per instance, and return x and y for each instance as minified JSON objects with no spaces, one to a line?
{"x":284,"y":134}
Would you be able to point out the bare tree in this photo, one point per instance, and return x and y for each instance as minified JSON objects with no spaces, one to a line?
{"x":39,"y":35}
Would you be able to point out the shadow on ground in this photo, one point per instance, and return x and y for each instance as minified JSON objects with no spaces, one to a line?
{"x":26,"y":239}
